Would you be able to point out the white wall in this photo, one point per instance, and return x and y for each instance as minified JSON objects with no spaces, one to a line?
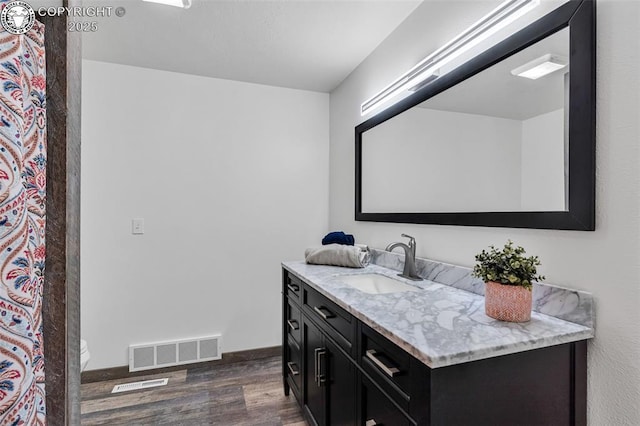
{"x":543,"y":186}
{"x":444,"y":152}
{"x":231,"y":179}
{"x":605,"y":262}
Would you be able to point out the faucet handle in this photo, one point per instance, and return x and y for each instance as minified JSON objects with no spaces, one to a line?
{"x":412,"y":241}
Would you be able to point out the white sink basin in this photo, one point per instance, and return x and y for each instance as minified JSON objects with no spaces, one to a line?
{"x":376,"y":284}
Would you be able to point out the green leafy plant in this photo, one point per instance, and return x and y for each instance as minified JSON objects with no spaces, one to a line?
{"x":508,"y":266}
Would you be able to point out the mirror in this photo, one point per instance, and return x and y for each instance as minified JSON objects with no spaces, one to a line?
{"x":484,"y":145}
{"x":518,"y":134}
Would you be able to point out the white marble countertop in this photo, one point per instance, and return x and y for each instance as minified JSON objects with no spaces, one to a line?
{"x":440,"y":325}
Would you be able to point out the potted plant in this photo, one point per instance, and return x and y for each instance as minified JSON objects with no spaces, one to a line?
{"x":508,"y":275}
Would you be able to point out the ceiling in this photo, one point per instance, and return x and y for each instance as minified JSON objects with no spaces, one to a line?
{"x":301,"y":44}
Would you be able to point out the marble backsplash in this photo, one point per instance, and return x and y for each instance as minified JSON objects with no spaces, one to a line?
{"x":570,"y":305}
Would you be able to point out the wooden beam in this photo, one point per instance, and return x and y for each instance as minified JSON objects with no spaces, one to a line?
{"x":61,"y":294}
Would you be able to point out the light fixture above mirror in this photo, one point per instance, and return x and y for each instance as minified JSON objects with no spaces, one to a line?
{"x":428,"y":69}
{"x":185,"y":4}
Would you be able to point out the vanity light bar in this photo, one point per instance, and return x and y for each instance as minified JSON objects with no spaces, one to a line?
{"x":426,"y":81}
{"x":186,"y":4}
{"x":541,"y":66}
{"x":495,"y":20}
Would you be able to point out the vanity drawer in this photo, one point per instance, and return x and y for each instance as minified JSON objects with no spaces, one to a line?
{"x":292,"y":287}
{"x":378,"y":409}
{"x":387,"y":364}
{"x":294,"y":364}
{"x":335,"y":320}
{"x":293,"y":322}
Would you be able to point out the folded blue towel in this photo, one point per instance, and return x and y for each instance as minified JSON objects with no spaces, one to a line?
{"x":338,"y":237}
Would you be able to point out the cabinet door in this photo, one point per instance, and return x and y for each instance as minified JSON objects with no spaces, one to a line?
{"x":314,"y":382}
{"x":341,"y":386}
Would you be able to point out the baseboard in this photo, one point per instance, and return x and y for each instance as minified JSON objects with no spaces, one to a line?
{"x":123,"y":372}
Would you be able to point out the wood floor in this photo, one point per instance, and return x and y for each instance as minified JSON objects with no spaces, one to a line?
{"x":244,"y":393}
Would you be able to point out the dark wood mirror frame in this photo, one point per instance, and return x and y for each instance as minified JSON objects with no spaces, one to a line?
{"x":580,"y":17}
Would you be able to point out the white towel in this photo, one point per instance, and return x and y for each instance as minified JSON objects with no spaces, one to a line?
{"x":338,"y":255}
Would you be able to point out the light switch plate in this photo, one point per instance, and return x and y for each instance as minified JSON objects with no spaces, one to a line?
{"x":137,"y":226}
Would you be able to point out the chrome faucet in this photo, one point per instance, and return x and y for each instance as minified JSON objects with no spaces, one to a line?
{"x":409,"y":258}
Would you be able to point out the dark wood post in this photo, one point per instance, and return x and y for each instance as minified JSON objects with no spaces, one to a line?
{"x":61,"y":296}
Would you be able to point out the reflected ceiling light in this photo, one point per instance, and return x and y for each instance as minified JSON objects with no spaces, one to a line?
{"x":495,"y":20}
{"x":178,"y":3}
{"x":541,"y":66}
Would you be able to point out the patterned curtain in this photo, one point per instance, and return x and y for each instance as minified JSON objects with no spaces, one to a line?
{"x":22,"y":225}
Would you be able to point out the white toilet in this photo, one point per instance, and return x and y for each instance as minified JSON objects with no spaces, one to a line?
{"x":84,"y":354}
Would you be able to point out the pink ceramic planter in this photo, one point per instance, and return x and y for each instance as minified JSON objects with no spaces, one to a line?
{"x":507,"y":302}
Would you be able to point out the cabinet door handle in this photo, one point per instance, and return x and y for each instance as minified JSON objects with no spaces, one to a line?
{"x":293,"y":324}
{"x":320,"y":312}
{"x":371,"y":422}
{"x":318,"y":353}
{"x":295,"y":371}
{"x":316,"y":370}
{"x":293,"y":287}
{"x":389,"y":371}
{"x":322,"y":378}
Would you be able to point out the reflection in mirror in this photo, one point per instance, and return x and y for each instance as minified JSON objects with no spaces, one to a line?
{"x":496,"y":142}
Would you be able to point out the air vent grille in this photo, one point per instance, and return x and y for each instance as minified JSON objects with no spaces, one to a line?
{"x":178,"y":352}
{"x":209,"y":348}
{"x":139,"y":385}
{"x":166,"y":354}
{"x":188,"y":351}
{"x":143,"y":358}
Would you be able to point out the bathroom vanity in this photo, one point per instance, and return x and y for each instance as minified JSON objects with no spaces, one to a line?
{"x":357,"y":354}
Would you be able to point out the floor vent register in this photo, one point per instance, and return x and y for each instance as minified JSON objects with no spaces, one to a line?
{"x":126,"y":387}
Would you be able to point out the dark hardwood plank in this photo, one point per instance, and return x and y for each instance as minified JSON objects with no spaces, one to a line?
{"x":194,"y":406}
{"x":242,"y":393}
{"x":98,"y":397}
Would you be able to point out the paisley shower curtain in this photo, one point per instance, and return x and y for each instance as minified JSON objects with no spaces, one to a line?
{"x":22,"y":225}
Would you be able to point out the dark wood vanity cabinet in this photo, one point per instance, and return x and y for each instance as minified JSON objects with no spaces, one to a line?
{"x":342,"y":372}
{"x":317,"y":362}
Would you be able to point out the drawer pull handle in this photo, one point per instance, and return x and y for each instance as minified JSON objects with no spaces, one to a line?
{"x":321,"y":312}
{"x":389,"y":371}
{"x":293,"y":324}
{"x":295,"y":371}
{"x":293,"y":287}
{"x":371,"y":422}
